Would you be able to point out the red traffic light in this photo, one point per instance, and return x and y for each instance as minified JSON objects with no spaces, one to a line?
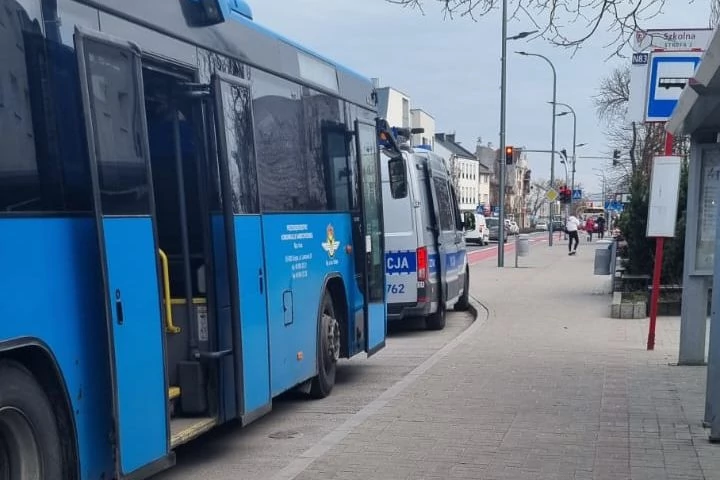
{"x":509,"y":155}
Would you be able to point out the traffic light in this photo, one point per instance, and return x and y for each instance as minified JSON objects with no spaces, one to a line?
{"x":509,"y":155}
{"x":616,"y":157}
{"x":565,"y":194}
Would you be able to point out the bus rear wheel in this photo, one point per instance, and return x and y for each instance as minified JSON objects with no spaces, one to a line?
{"x":29,"y":440}
{"x":328,"y":349}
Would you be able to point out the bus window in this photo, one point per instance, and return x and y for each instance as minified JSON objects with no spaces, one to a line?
{"x":368,"y":153}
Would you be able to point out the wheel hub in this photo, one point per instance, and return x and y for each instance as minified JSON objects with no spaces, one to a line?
{"x":333,"y":337}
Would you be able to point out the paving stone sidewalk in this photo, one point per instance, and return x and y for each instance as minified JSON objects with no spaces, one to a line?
{"x":547,"y":387}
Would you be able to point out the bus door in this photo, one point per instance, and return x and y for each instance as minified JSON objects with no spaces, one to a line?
{"x":113,"y":99}
{"x":244,"y":239}
{"x":374,"y":268}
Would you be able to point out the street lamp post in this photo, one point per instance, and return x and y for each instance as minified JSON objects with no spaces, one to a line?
{"x":572,"y":111}
{"x":567,"y":176}
{"x":503,"y":103}
{"x":601,"y":174}
{"x":552,"y":148}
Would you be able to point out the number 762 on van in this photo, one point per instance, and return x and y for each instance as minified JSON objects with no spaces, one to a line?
{"x":395,"y":288}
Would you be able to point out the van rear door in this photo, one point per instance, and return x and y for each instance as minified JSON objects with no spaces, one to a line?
{"x":400,"y":238}
{"x":448,"y":265}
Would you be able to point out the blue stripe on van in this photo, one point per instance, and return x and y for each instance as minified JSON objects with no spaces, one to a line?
{"x":399,"y":263}
{"x":453,"y":261}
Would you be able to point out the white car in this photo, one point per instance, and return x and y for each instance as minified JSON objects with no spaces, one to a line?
{"x":476,"y":229}
{"x":541,"y":226}
{"x":514,"y":228}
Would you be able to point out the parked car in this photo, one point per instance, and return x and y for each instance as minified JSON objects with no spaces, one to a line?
{"x":493,"y":225}
{"x":541,"y":226}
{"x":514,"y":228}
{"x":476,"y":229}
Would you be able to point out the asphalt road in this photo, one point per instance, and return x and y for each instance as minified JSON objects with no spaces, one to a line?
{"x":297,"y":423}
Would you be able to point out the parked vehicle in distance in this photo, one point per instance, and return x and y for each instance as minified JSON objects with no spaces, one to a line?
{"x":541,"y":226}
{"x":476,"y":229}
{"x":493,"y":227}
{"x":514,"y":228}
{"x":425,"y":262}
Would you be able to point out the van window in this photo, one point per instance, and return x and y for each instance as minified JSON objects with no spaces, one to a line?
{"x":470,"y":221}
{"x":444,"y":203}
{"x":456,"y":209}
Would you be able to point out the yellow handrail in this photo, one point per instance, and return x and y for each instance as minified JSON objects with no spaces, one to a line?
{"x":169,"y":326}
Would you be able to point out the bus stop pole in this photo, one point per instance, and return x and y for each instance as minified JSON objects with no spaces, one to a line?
{"x":657,"y":272}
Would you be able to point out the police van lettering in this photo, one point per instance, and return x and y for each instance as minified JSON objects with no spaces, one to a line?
{"x":401,"y":270}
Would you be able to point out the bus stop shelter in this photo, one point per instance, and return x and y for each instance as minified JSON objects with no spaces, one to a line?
{"x":697,"y":115}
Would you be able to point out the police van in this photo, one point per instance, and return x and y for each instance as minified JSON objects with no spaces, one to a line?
{"x":425,"y":255}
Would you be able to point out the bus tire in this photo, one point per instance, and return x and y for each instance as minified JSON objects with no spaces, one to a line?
{"x":328,"y":349}
{"x":27,"y":418}
{"x":436,"y":321}
{"x":463,"y":303}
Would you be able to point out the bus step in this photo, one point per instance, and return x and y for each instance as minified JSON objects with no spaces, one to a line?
{"x":182,"y":430}
{"x":173,"y":393}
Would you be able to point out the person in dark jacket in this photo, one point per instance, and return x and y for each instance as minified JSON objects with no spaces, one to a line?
{"x":601,"y":226}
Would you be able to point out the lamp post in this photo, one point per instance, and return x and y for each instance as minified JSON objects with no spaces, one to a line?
{"x":601,"y":174}
{"x":503,"y":103}
{"x":552,"y":148}
{"x":567,"y":176}
{"x":572,"y":111}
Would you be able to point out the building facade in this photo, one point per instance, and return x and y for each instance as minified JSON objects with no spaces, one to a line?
{"x":419,"y":118}
{"x":464,"y":170}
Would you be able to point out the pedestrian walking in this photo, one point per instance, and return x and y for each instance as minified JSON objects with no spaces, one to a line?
{"x":601,"y":226}
{"x":571,"y":227}
{"x":589,"y":228}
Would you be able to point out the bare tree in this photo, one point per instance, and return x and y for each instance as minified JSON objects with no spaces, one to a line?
{"x":536,"y":198}
{"x":638,"y":143}
{"x":613,"y":96}
{"x":554,"y":18}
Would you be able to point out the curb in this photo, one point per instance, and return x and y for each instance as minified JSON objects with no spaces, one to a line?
{"x":301,"y":462}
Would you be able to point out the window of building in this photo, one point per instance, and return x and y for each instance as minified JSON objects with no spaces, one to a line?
{"x":405,"y":113}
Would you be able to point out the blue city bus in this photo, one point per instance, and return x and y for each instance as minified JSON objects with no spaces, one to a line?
{"x":190,"y":225}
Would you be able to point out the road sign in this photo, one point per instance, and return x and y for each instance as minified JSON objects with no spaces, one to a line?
{"x":668,"y":72}
{"x":672,"y":39}
{"x":577,"y":194}
{"x":551,"y":194}
{"x":615,"y":206}
{"x":644,"y":41}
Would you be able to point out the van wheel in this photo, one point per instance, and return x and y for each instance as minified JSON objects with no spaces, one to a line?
{"x":463,"y":303}
{"x":436,"y":321}
{"x":29,"y":439}
{"x":328,"y":349}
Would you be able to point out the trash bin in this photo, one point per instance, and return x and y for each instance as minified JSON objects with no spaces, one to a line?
{"x":523,"y":248}
{"x":603,"y":257}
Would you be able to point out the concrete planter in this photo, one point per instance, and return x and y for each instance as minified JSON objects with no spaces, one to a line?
{"x":627,"y":310}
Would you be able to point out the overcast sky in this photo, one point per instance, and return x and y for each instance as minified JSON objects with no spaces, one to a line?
{"x":451,"y":68}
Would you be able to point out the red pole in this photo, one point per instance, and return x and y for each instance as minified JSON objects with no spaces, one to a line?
{"x":659,"y":245}
{"x":657,"y":271}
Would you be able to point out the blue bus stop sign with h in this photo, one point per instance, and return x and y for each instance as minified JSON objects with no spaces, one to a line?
{"x":669,"y":72}
{"x":577,"y":194}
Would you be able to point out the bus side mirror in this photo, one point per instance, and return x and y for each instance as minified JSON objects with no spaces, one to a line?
{"x":398,"y":177}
